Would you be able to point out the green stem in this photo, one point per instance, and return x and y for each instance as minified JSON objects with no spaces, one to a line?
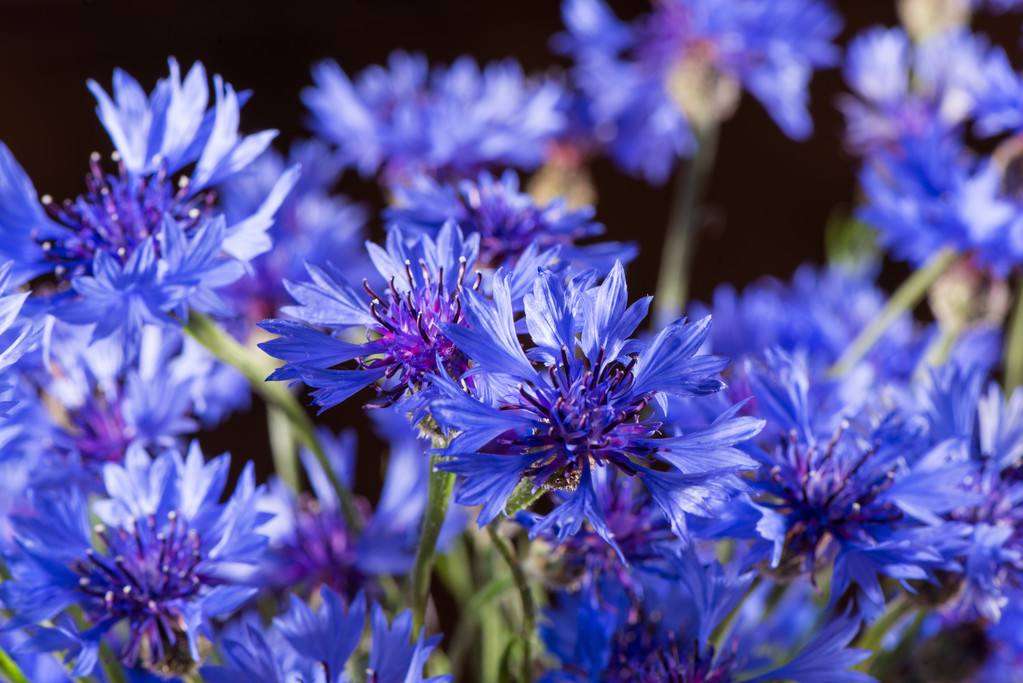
{"x":525,"y":595}
{"x":282,"y":447}
{"x":440,"y":486}
{"x":471,"y":615}
{"x":10,"y":669}
{"x":1014,"y":344}
{"x":903,"y":299}
{"x":522,"y":497}
{"x":255,"y":367}
{"x":111,"y":665}
{"x":676,"y":259}
{"x":872,"y":637}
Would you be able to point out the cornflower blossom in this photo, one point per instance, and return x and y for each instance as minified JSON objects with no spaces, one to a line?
{"x":308,"y":645}
{"x":312,"y":222}
{"x":507,"y":220}
{"x":666,"y":635}
{"x":651,"y":82}
{"x":162,"y":561}
{"x":573,"y":404}
{"x":408,"y":119}
{"x":406,"y":322}
{"x":144,"y":243}
{"x":853,"y":488}
{"x":986,"y":428}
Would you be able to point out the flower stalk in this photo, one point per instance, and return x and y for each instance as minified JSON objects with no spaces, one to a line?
{"x":525,"y":595}
{"x":439,"y":490}
{"x":680,"y":237}
{"x":1014,"y":344}
{"x":903,"y":299}
{"x":10,"y":669}
{"x":255,"y":367}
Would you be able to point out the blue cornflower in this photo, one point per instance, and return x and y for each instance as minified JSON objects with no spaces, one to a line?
{"x":406,"y":118}
{"x":665,"y":634}
{"x":906,"y":91}
{"x":316,"y":645}
{"x":853,"y":485}
{"x":311,"y":223}
{"x":426,"y":280}
{"x":986,"y":429}
{"x":507,"y":220}
{"x":163,"y":561}
{"x":651,"y":82}
{"x":140,"y":245}
{"x":573,"y":404}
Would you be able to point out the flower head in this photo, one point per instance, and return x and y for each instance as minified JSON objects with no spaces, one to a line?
{"x":406,"y":118}
{"x":163,"y":560}
{"x":146,"y":240}
{"x":665,"y":635}
{"x":507,"y":220}
{"x":650,"y":83}
{"x":314,"y":645}
{"x":576,"y":403}
{"x":406,"y":323}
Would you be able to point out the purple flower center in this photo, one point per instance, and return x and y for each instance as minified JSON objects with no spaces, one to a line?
{"x":146,"y":574}
{"x":101,"y":434}
{"x":116,"y":214}
{"x":322,"y":552}
{"x":584,"y":417}
{"x":640,"y":653}
{"x":409,"y":330}
{"x":821,"y":492}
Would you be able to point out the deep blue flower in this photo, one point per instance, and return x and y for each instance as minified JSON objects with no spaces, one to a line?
{"x":507,"y":220}
{"x":311,"y":224}
{"x":164,"y":560}
{"x":406,"y":118}
{"x":666,"y":635}
{"x":316,"y":645}
{"x":651,"y":82}
{"x":855,"y":486}
{"x":905,"y":91}
{"x":573,"y":404}
{"x":426,"y":280}
{"x":145,"y":241}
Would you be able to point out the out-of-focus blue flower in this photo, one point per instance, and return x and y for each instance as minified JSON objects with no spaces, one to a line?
{"x":406,"y":118}
{"x":147,"y":241}
{"x":905,"y":91}
{"x":667,"y":635}
{"x":507,"y":220}
{"x":406,"y":325}
{"x":572,"y":404}
{"x":316,"y":645}
{"x":164,"y":561}
{"x":311,"y":224}
{"x":854,"y":486}
{"x":987,"y":429}
{"x":650,"y":82}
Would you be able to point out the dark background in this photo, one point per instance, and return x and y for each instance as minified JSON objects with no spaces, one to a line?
{"x":769,"y":197}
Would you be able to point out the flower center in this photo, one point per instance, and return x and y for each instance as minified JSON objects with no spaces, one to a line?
{"x":410,"y":329}
{"x":116,"y":214}
{"x":145,"y":575}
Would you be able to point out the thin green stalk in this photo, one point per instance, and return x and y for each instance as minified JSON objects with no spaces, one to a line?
{"x":439,"y":491}
{"x":282,"y":447}
{"x":722,"y":630}
{"x":111,"y":665}
{"x":471,"y":615}
{"x":676,"y":259}
{"x":903,"y":299}
{"x":525,"y":595}
{"x":10,"y":670}
{"x":255,"y":367}
{"x":1014,"y":344}
{"x":871,"y":638}
{"x":522,"y":497}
